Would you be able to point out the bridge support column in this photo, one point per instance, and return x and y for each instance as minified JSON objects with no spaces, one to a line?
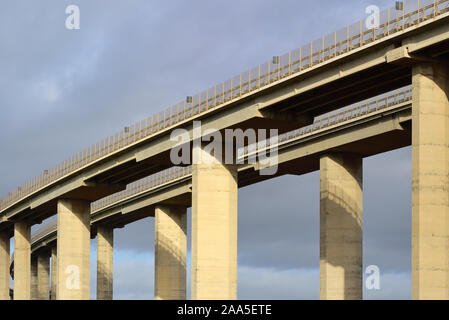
{"x":105,"y":269}
{"x":170,"y":253}
{"x":430,"y":182}
{"x":341,"y":208}
{"x":4,"y":266}
{"x":43,"y":275}
{"x":73,"y":261}
{"x":22,"y":261}
{"x":53,"y":272}
{"x":214,"y":228}
{"x":34,"y":284}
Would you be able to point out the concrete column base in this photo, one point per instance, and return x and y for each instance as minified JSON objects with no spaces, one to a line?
{"x":105,"y":269}
{"x":4,"y":266}
{"x":341,"y":207}
{"x":54,"y":258}
{"x":22,"y":261}
{"x":34,"y":292}
{"x":73,"y":261}
{"x":170,"y":253}
{"x":214,"y":229}
{"x":430,"y":182}
{"x":43,"y":275}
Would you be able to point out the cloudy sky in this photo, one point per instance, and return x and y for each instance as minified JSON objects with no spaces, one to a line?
{"x":62,"y":90}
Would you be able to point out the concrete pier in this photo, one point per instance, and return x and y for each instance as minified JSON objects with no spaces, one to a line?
{"x":53,"y":272}
{"x":105,"y":269}
{"x":34,"y":292}
{"x":73,"y":261}
{"x":214,"y":228}
{"x":170,"y":253}
{"x":430,"y":182}
{"x":22,"y":261}
{"x":341,"y":209}
{"x":43,"y":275}
{"x":4,"y":266}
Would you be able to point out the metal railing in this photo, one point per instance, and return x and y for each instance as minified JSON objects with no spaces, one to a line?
{"x":335,"y":118}
{"x":355,"y":36}
{"x":143,"y":185}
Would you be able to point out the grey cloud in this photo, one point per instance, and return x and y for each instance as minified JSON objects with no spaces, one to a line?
{"x":61,"y":91}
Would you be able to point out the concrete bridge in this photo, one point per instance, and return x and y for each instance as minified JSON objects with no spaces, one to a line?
{"x":395,"y":74}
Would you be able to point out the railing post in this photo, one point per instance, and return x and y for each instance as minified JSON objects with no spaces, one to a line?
{"x":361,"y":33}
{"x":240,"y":85}
{"x":403,"y":16}
{"x":322,"y":50}
{"x":279,"y":69}
{"x":311,"y":54}
{"x":269,"y":72}
{"x":232,"y":89}
{"x":419,"y":8}
{"x":289,"y":62}
{"x":335,"y":44}
{"x":388,"y":23}
{"x":348,"y":45}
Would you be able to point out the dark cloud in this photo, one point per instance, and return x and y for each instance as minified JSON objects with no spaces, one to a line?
{"x":61,"y":91}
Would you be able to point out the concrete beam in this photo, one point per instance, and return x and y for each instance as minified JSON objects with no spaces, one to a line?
{"x":73,"y":261}
{"x":170,"y":253}
{"x":341,"y":207}
{"x":430,"y":182}
{"x":4,"y":265}
{"x":399,"y":56}
{"x":105,"y":269}
{"x":214,"y":228}
{"x":22,"y":261}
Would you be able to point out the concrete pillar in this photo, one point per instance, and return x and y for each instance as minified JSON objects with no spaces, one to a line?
{"x":53,"y":272}
{"x":105,"y":270}
{"x":43,"y":275}
{"x":73,"y":260}
{"x":4,"y":266}
{"x":341,"y":208}
{"x":430,"y":182}
{"x":214,"y":228}
{"x":170,"y":253}
{"x":22,"y":261}
{"x":34,"y":291}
